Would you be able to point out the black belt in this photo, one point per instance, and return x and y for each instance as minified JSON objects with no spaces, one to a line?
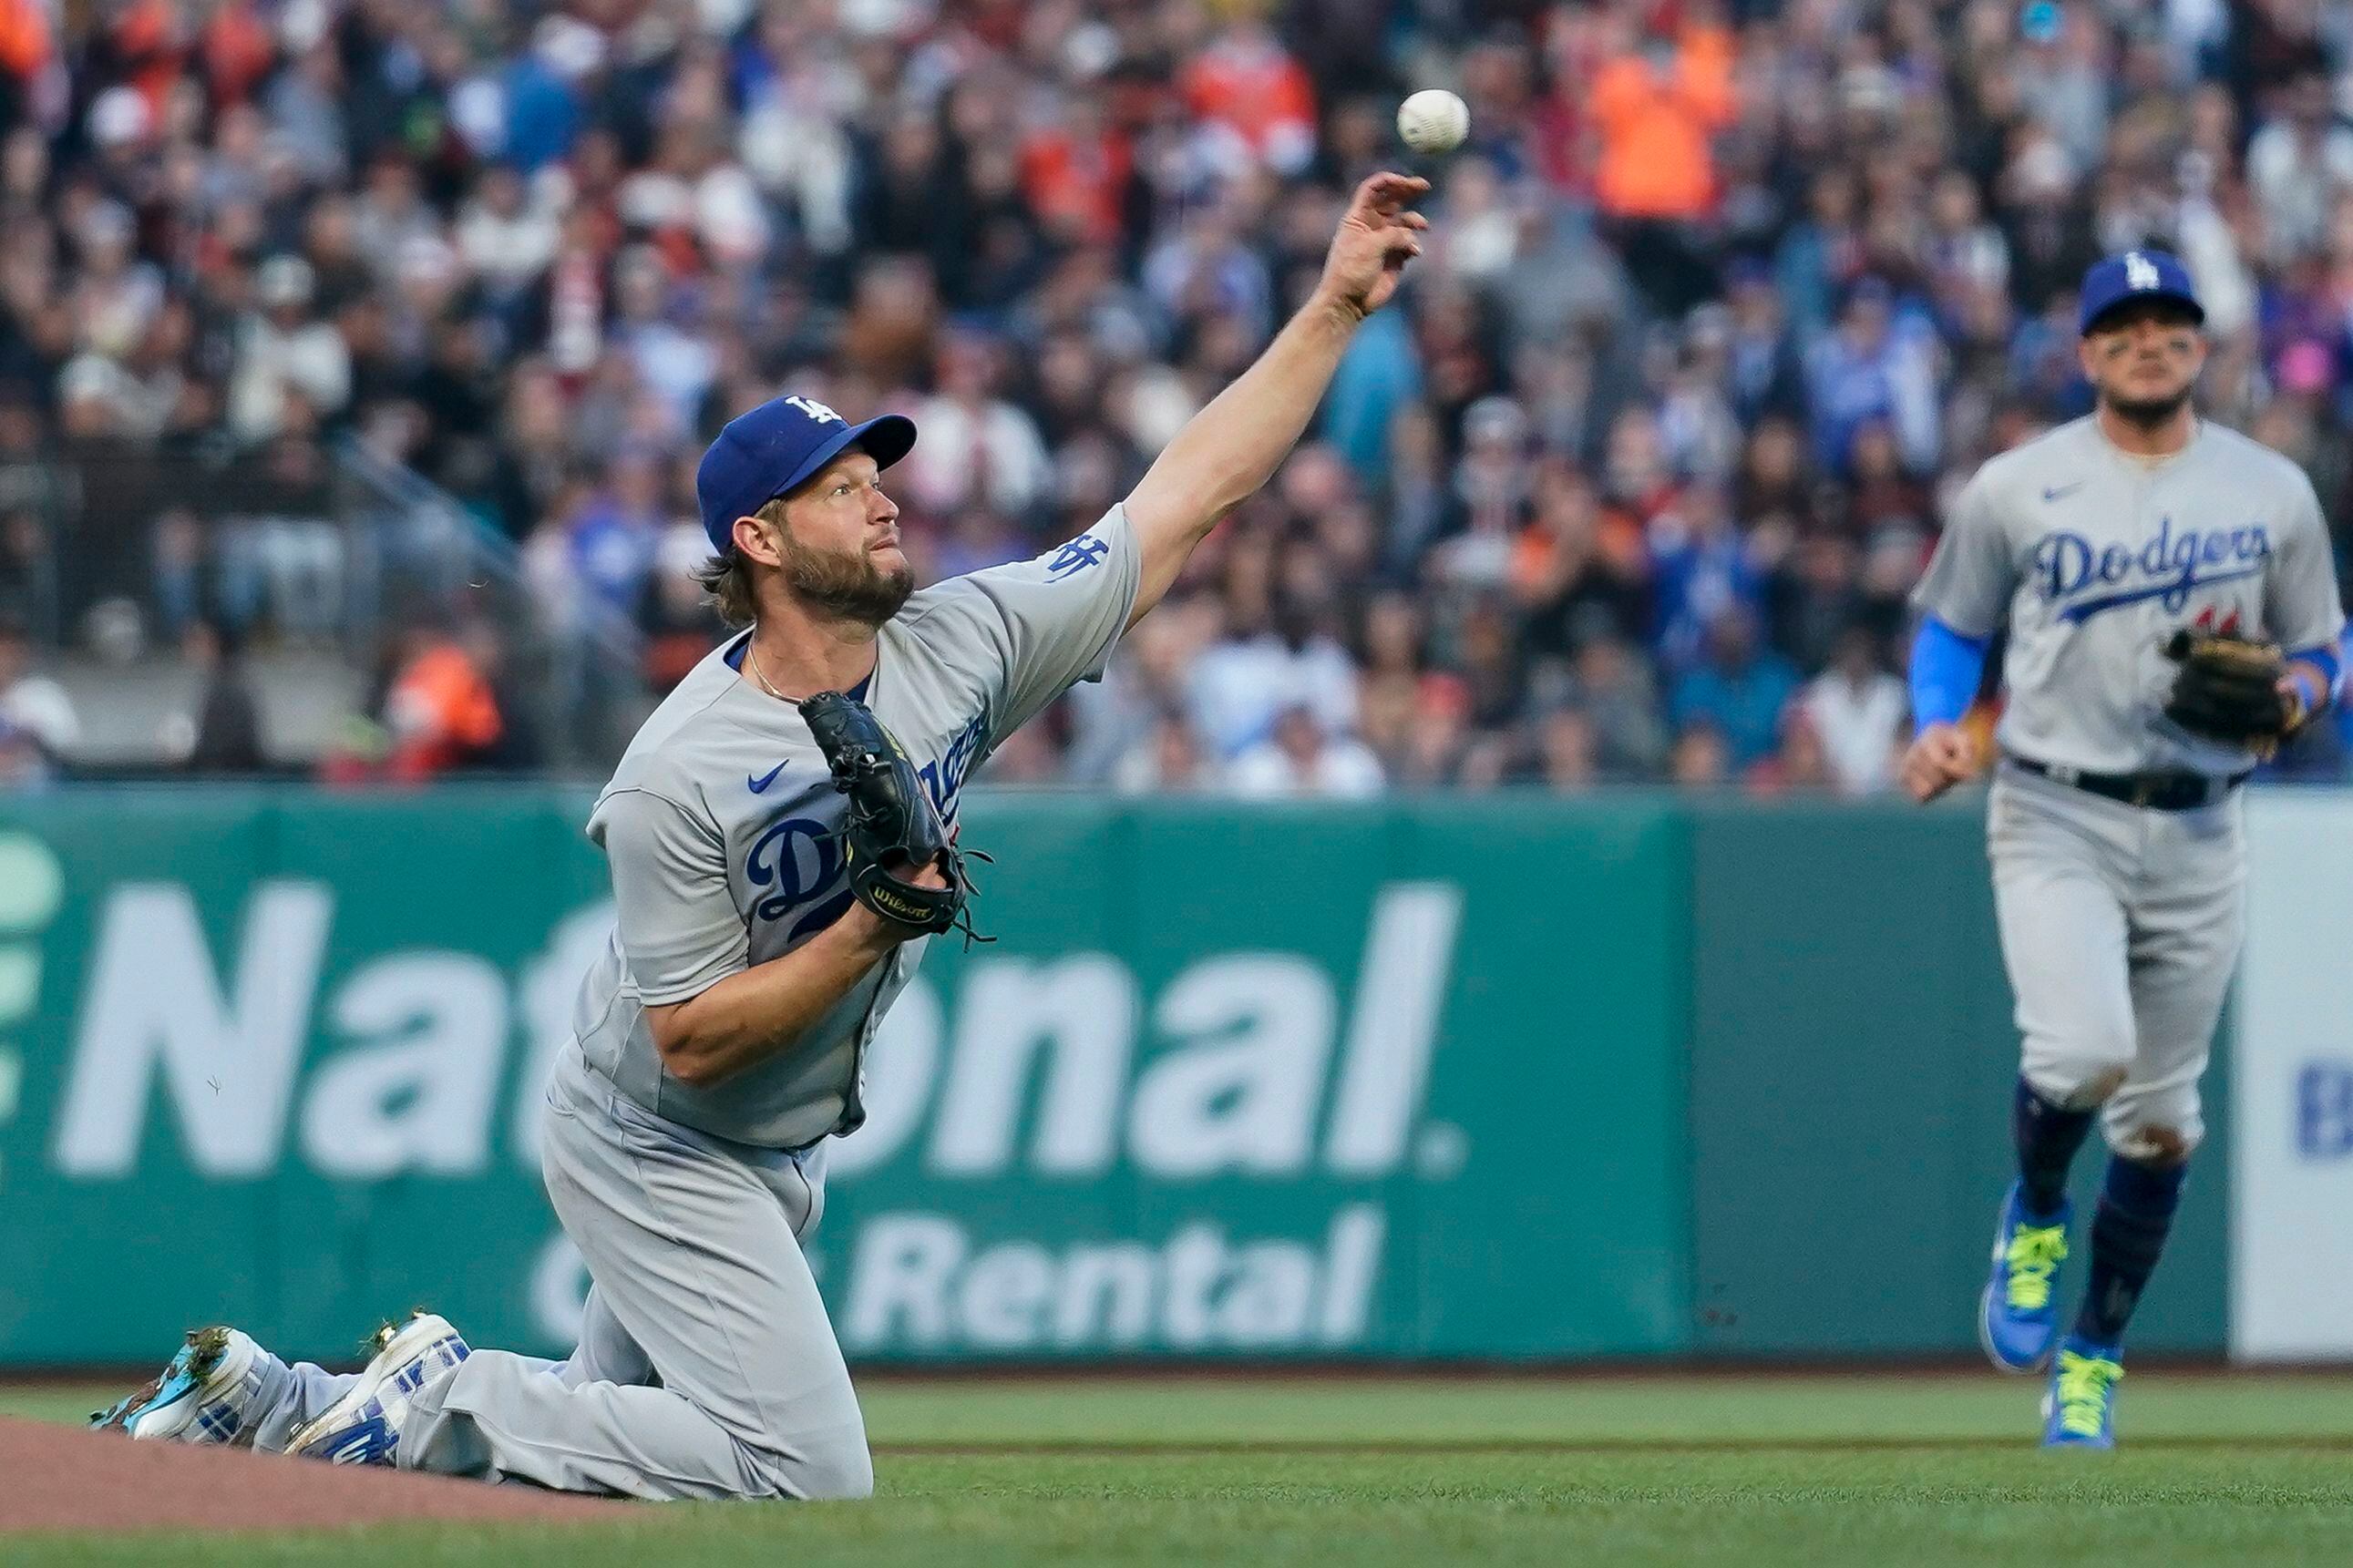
{"x":2157,"y":791}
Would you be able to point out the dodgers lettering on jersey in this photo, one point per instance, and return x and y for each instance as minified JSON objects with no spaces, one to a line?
{"x":2084,"y":579}
{"x":2097,"y":557}
{"x":721,"y":825}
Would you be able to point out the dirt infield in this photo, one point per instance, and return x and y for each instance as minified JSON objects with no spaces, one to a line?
{"x":56,"y":1477}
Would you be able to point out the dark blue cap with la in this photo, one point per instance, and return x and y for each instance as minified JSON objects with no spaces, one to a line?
{"x":776,"y":447}
{"x":2134,"y":276}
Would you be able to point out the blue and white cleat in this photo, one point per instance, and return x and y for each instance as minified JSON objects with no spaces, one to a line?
{"x":2079,"y":1411}
{"x":2017,"y":1316}
{"x":207,"y":1393}
{"x":363,"y":1427}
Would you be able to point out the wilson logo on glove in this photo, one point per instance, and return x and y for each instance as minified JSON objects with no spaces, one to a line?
{"x":893,"y":830}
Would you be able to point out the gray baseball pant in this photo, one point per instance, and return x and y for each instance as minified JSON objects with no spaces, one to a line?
{"x":2120,"y":928}
{"x":707,"y":1367}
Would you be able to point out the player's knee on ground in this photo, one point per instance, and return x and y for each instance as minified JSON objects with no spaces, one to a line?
{"x":838,"y":1469}
{"x":846,"y":1476}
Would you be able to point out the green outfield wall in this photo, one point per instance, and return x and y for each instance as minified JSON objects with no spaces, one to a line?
{"x":1498,"y":1078}
{"x":1851,"y":1069}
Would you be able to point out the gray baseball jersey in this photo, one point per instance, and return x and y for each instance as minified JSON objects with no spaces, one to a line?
{"x":719,"y":825}
{"x":2097,"y":555}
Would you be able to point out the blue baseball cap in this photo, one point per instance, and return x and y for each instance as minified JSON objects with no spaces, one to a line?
{"x":778,"y":446}
{"x":2134,"y":275}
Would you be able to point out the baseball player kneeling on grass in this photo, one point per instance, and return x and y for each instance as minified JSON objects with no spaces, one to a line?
{"x":781,"y":841}
{"x":2173,"y":617}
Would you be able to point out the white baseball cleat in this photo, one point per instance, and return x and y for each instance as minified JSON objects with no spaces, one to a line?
{"x":204,"y":1395}
{"x":363,"y":1427}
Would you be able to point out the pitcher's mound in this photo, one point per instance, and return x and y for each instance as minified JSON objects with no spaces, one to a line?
{"x":64,"y":1477}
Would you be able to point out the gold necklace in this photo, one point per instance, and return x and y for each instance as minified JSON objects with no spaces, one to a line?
{"x":752,"y":658}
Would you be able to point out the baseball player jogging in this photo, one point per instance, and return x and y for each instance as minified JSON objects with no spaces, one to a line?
{"x":781,"y":836}
{"x":2173,"y":617}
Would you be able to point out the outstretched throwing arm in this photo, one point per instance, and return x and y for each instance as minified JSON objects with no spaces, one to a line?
{"x":1232,"y":446}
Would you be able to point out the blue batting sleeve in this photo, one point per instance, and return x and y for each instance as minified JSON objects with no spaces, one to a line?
{"x":1946,"y":669}
{"x":2325,"y":656}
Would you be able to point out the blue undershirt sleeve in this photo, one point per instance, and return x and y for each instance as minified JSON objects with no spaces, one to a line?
{"x":2325,"y":656}
{"x":1946,"y":669}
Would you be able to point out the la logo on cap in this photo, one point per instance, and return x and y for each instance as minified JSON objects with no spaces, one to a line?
{"x":2140,"y":272}
{"x":816,"y":410}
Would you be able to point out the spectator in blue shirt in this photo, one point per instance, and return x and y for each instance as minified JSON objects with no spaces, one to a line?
{"x":1740,"y":690}
{"x":1877,"y":365}
{"x":1699,"y":566}
{"x":613,"y":535}
{"x":1378,"y":376}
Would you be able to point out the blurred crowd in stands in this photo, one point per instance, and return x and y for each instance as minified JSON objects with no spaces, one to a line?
{"x":1722,"y":299}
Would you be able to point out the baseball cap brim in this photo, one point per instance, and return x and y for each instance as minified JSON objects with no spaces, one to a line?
{"x":886,"y":439}
{"x":2141,"y":296}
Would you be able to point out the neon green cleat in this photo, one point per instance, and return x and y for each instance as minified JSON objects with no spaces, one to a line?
{"x":2017,"y":1316}
{"x":2079,"y":1411}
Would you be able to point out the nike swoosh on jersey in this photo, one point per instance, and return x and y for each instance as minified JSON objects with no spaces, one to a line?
{"x":759,"y":785}
{"x":2052,"y":492}
{"x":2086,"y":609}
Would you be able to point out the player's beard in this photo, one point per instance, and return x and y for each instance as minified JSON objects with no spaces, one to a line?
{"x":2148,"y":413}
{"x":846,"y":584}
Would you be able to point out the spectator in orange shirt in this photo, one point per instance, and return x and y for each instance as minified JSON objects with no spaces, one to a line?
{"x":1076,"y":172}
{"x":442,"y":712}
{"x":238,"y":50}
{"x":439,"y":714}
{"x":1249,"y":89}
{"x":26,"y":46}
{"x":1658,"y":108}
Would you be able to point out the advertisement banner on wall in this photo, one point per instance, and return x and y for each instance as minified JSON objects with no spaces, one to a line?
{"x":2292,"y":1242}
{"x":274,"y":1057}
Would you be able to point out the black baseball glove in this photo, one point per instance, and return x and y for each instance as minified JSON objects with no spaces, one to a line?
{"x":893,"y":829}
{"x":2229,"y":688}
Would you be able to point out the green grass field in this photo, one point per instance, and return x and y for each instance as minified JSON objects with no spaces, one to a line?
{"x":1820,"y":1472}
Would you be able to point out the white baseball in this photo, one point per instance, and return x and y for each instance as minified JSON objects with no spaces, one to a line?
{"x":1433,"y":121}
